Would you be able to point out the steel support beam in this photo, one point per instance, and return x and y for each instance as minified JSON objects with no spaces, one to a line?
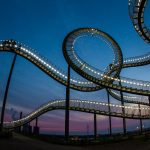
{"x":6,"y":92}
{"x":123,"y":111}
{"x":110,"y":124}
{"x":36,"y":129}
{"x":20,"y":118}
{"x":67,"y":106}
{"x":95,"y":126}
{"x":36,"y":121}
{"x":141,"y":123}
{"x":20,"y":115}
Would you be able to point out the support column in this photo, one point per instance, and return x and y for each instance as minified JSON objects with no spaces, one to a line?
{"x":36,"y":121}
{"x":20,"y":118}
{"x":95,"y":126}
{"x":110,"y":126}
{"x":87,"y":129}
{"x":123,"y":111}
{"x":36,"y":129}
{"x":141,"y":124}
{"x":149,"y":99}
{"x":67,"y":106}
{"x":20,"y":115}
{"x":6,"y":92}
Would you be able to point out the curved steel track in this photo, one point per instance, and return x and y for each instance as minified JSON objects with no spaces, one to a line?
{"x":94,"y":79}
{"x":136,"y":12}
{"x":131,"y":112}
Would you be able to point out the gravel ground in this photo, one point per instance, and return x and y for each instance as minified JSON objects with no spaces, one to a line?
{"x":20,"y":142}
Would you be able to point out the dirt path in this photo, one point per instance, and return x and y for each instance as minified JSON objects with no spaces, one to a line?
{"x":20,"y":142}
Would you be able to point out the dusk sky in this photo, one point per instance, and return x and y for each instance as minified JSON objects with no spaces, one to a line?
{"x":43,"y":25}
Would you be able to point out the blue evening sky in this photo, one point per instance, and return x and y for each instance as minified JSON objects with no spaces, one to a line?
{"x":42,"y":25}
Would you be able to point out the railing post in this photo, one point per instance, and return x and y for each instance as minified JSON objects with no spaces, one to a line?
{"x":141,"y":124}
{"x":6,"y":92}
{"x":95,"y":126}
{"x":36,"y":129}
{"x":149,"y":100}
{"x":20,"y":118}
{"x":36,"y":121}
{"x":110,"y":126}
{"x":123,"y":110}
{"x":87,"y":130}
{"x":67,"y":106}
{"x":124,"y":120}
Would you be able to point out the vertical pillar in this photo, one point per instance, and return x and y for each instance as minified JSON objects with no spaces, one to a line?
{"x":123,"y":110}
{"x":67,"y":106}
{"x":141,"y":124}
{"x":149,"y":99}
{"x":36,"y":121}
{"x":20,"y":118}
{"x":6,"y":91}
{"x":36,"y":129}
{"x":20,"y":115}
{"x":110,"y":126}
{"x":95,"y":126}
{"x":87,"y":129}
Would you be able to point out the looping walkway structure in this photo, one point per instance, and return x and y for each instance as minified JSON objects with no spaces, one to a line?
{"x":136,"y":12}
{"x":94,"y":79}
{"x":101,"y":108}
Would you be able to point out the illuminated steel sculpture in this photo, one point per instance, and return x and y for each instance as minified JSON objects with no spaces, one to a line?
{"x":131,"y":112}
{"x":94,"y":79}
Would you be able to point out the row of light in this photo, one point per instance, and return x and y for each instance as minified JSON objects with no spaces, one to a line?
{"x":99,"y":103}
{"x":133,"y":98}
{"x":138,"y":2}
{"x":80,"y":82}
{"x":137,"y":59}
{"x":60,"y":101}
{"x":113,"y":105}
{"x":58,"y":72}
{"x":35,"y":112}
{"x":108,"y":77}
{"x":89,"y":102}
{"x":116,"y":79}
{"x":136,"y":27}
{"x":52,"y":68}
{"x":47,"y":64}
{"x":75,"y":81}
